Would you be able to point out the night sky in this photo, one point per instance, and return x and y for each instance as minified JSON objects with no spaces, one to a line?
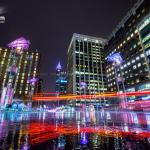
{"x":49,"y":25}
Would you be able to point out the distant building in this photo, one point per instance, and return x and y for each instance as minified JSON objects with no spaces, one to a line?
{"x":28,"y":67}
{"x":85,"y":65}
{"x":131,"y":39}
{"x":61,"y":80}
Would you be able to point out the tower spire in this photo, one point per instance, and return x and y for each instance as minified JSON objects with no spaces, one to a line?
{"x":59,"y":67}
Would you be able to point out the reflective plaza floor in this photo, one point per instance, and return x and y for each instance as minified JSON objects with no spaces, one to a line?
{"x":72,"y":129}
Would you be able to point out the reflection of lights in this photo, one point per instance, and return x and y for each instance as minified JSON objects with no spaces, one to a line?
{"x":40,"y":132}
{"x":83,"y":140}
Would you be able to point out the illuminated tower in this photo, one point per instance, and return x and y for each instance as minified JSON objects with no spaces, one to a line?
{"x":17,"y":48}
{"x":85,"y":65}
{"x":61,"y":81}
{"x":27,"y":66}
{"x":131,"y":38}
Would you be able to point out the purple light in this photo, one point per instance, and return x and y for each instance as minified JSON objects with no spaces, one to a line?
{"x":115,"y":58}
{"x":32,"y":81}
{"x":83,"y":85}
{"x":20,"y":43}
{"x":120,"y":79}
{"x":58,"y":67}
{"x":84,"y":139}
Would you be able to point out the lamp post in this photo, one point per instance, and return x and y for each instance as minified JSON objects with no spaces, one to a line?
{"x":32,"y":83}
{"x":117,"y":61}
{"x":83,"y":86}
{"x":17,"y":48}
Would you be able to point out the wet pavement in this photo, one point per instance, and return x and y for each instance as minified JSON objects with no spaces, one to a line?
{"x":70,"y":130}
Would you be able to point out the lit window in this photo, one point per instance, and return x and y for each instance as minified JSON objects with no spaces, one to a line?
{"x":132,"y":35}
{"x":128,"y":38}
{"x":139,"y":64}
{"x":128,"y":63}
{"x":142,"y":55}
{"x":133,"y":61}
{"x":136,"y":31}
{"x":138,"y":58}
{"x":148,"y":52}
{"x":134,"y":67}
{"x":134,"y":46}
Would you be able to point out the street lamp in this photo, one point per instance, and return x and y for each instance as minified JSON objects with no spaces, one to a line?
{"x":32,"y":83}
{"x":83,"y":86}
{"x":117,"y":61}
{"x":18,"y":46}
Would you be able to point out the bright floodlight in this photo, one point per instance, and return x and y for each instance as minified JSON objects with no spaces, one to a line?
{"x":20,"y":43}
{"x":115,"y":58}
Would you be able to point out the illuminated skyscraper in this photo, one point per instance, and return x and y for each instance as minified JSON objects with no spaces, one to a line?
{"x":85,"y":66}
{"x":131,"y":39}
{"x":28,"y":67}
{"x":61,"y":80}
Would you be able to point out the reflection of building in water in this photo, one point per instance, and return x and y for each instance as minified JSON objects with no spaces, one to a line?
{"x":61,"y":142}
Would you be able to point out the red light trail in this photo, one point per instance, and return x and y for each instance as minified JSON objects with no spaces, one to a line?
{"x":39,"y":132}
{"x":45,"y":97}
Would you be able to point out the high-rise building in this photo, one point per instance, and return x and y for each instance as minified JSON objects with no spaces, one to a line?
{"x":28,"y":67}
{"x":61,"y":80}
{"x":85,"y":65}
{"x":131,"y":40}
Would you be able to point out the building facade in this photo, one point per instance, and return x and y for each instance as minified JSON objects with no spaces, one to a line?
{"x":85,"y":65}
{"x":61,"y":80}
{"x":28,"y":67}
{"x":130,"y":39}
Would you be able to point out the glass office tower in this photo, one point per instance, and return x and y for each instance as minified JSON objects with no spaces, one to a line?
{"x":85,"y":65}
{"x":131,"y":40}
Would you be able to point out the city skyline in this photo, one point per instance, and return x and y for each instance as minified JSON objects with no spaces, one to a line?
{"x":54,"y":22}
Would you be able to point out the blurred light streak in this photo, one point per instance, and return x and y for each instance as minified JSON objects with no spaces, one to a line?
{"x":44,"y":96}
{"x":39,"y":132}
